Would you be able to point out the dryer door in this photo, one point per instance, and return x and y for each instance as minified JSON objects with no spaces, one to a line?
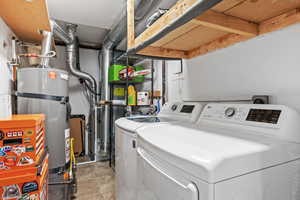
{"x":156,"y":182}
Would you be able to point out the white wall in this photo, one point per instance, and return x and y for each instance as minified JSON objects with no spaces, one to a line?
{"x":157,"y":75}
{"x":267,"y":65}
{"x":174,"y":81}
{"x":89,"y":64}
{"x":5,"y":72}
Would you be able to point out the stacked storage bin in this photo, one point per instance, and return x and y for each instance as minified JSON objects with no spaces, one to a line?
{"x":23,"y":158}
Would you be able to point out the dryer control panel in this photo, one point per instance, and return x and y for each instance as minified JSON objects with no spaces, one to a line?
{"x":278,"y":120}
{"x":268,"y":115}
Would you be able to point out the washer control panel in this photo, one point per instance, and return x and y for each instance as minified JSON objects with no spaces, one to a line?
{"x":182,"y":111}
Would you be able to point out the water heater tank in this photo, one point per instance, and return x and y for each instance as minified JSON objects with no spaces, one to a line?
{"x":45,"y":90}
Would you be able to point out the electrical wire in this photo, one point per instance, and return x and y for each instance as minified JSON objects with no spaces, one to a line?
{"x":90,"y":89}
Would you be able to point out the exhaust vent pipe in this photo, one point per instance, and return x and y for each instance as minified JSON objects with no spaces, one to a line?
{"x":71,"y":53}
{"x":46,"y":48}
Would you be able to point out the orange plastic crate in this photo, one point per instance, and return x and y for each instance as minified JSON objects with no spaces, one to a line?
{"x":25,"y":184}
{"x":22,"y":141}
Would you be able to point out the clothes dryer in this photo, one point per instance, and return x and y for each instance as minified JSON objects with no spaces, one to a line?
{"x":242,"y":152}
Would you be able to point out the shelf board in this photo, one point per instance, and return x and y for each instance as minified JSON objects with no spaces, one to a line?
{"x":228,"y":23}
{"x":26,"y":18}
{"x":124,"y":82}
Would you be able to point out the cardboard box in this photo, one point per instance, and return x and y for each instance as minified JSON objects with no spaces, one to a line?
{"x":77,"y":128}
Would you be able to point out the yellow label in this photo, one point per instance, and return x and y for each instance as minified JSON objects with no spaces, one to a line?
{"x":119,"y":92}
{"x":29,"y":132}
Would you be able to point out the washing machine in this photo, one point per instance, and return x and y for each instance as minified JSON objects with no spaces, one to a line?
{"x":126,"y":155}
{"x":241,"y":152}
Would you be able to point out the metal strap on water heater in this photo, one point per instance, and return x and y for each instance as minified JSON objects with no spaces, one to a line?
{"x":61,"y":99}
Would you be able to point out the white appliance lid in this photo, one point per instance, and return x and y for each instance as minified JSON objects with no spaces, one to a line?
{"x":188,"y":112}
{"x":214,"y":157}
{"x":133,"y":123}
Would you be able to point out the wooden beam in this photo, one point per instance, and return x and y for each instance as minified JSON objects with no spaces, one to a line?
{"x":220,"y":43}
{"x":280,"y":22}
{"x":162,"y":52}
{"x":26,"y":18}
{"x":226,"y":23}
{"x":176,"y":34}
{"x":172,"y":15}
{"x":130,"y":24}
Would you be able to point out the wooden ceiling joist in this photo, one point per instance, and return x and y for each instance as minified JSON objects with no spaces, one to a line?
{"x":220,"y":43}
{"x":227,"y":23}
{"x":163,"y":52}
{"x":175,"y":12}
{"x":230,"y":22}
{"x":279,"y":22}
{"x":130,"y":24}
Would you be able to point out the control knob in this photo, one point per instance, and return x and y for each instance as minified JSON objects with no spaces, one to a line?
{"x":230,"y":112}
{"x":174,"y":107}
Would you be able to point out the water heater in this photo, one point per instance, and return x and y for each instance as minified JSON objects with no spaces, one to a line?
{"x":45,"y":90}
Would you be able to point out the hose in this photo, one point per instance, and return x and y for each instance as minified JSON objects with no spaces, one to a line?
{"x":90,"y":89}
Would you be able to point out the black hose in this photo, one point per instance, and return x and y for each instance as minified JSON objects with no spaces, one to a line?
{"x":91,"y":90}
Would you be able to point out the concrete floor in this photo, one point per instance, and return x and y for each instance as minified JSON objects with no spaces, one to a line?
{"x":95,"y":182}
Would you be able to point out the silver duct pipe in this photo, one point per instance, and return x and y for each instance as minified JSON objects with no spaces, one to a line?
{"x":105,"y":114}
{"x":46,"y":48}
{"x":116,"y":35}
{"x":72,"y":57}
{"x":60,"y":33}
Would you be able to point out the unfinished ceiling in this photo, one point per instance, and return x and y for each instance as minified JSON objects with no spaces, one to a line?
{"x":94,"y":17}
{"x":97,"y":13}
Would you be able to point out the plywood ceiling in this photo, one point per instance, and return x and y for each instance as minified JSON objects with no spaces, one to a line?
{"x":195,"y":38}
{"x":226,"y":5}
{"x":20,"y":15}
{"x":229,"y":22}
{"x":261,"y":10}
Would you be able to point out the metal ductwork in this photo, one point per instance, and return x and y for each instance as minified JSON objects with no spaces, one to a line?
{"x":114,"y":37}
{"x":72,"y":56}
{"x":46,"y":48}
{"x":71,"y":51}
{"x":60,"y":33}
